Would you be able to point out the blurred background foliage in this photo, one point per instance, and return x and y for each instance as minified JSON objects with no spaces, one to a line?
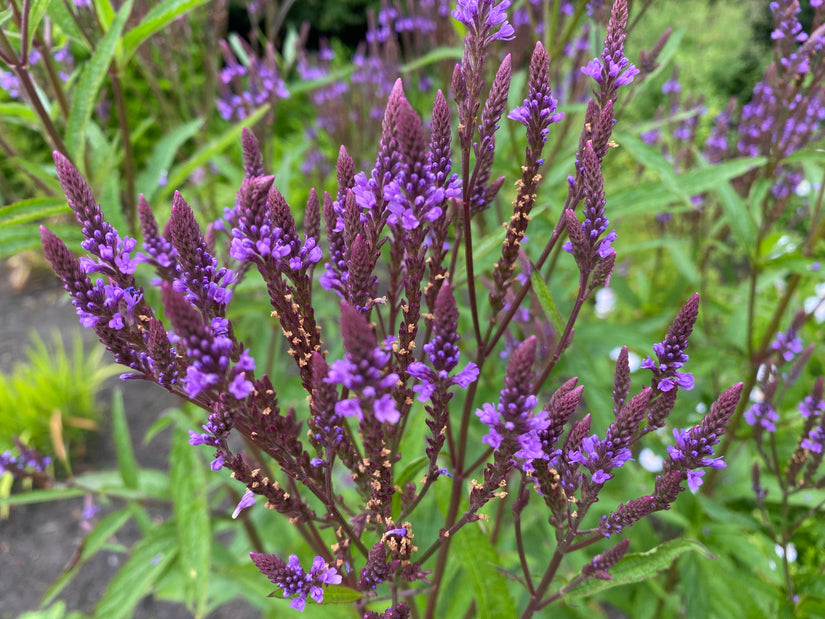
{"x":155,"y":103}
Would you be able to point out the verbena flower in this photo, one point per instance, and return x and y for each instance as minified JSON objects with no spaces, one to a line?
{"x":442,"y":351}
{"x":291,"y":577}
{"x":486,"y":20}
{"x":363,"y":371}
{"x":670,"y":353}
{"x":599,"y":457}
{"x":513,"y":428}
{"x":762,"y":413}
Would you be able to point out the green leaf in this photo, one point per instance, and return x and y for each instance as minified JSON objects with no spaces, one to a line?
{"x":123,"y":443}
{"x":163,"y":154}
{"x":36,"y":12}
{"x":18,"y":110}
{"x":105,"y":13}
{"x":639,"y":566}
{"x":41,"y":496}
{"x":60,"y":15}
{"x":546,"y":301}
{"x":706,"y":178}
{"x":411,"y":470}
{"x":188,"y":477}
{"x":337,"y":594}
{"x":479,"y":560}
{"x":160,"y":16}
{"x":652,"y":159}
{"x":685,"y":265}
{"x":95,"y":540}
{"x":738,"y":217}
{"x":433,"y":57}
{"x":31,"y":209}
{"x":85,"y":94}
{"x":149,"y":559}
{"x":214,"y":147}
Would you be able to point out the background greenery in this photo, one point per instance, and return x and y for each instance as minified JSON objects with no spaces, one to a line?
{"x":158,"y":72}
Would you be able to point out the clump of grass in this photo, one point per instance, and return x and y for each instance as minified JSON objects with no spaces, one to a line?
{"x":49,"y":400}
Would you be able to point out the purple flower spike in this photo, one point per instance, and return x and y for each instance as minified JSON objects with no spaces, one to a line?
{"x":112,"y":252}
{"x":159,"y":251}
{"x":513,"y":429}
{"x":205,"y":284}
{"x":294,"y":581}
{"x":694,"y":447}
{"x":363,"y":371}
{"x":670,"y":353}
{"x":538,"y":111}
{"x":599,"y":457}
{"x":599,"y":566}
{"x":762,"y":414}
{"x":485,"y":20}
{"x":442,"y":351}
{"x":612,"y":69}
{"x":788,"y":345}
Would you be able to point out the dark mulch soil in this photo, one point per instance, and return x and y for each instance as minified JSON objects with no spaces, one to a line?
{"x":39,"y":541}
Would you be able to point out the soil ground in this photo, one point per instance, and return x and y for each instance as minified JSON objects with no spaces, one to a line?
{"x":38,"y":541}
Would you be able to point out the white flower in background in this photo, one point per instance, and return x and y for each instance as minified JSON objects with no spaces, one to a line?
{"x":790,"y":550}
{"x":650,"y":461}
{"x":803,"y":188}
{"x":633,"y":360}
{"x":816,"y":304}
{"x":605,"y":302}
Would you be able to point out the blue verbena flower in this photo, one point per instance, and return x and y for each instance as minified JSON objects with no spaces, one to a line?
{"x":762,"y":414}
{"x":693,"y":449}
{"x":788,"y":345}
{"x":294,"y":581}
{"x":815,"y":440}
{"x":670,"y":353}
{"x":513,"y":428}
{"x":363,"y":371}
{"x":442,"y":351}
{"x":247,"y":500}
{"x":599,"y":457}
{"x":613,"y":69}
{"x":486,"y":20}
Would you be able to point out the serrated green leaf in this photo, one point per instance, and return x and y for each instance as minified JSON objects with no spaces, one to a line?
{"x":639,"y":566}
{"x":546,"y":301}
{"x":85,"y":94}
{"x":479,"y":560}
{"x":163,"y":154}
{"x":339,"y":594}
{"x":123,"y":443}
{"x":31,"y":209}
{"x":160,"y":16}
{"x":179,"y":173}
{"x":59,"y":14}
{"x":149,"y":559}
{"x":188,"y":477}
